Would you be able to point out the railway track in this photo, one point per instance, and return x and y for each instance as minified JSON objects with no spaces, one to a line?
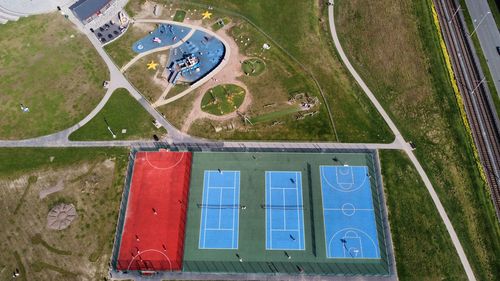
{"x":476,"y":97}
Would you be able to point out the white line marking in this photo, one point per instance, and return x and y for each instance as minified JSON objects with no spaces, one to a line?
{"x":170,"y":167}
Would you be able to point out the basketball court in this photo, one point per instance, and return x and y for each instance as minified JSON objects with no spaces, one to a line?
{"x":153,"y":234}
{"x":349,"y":218}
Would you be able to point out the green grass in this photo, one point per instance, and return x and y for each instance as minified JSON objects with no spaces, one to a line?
{"x":494,"y":8}
{"x":51,"y":68}
{"x":423,"y":248}
{"x":253,"y":67}
{"x":177,"y":111}
{"x":43,"y":254}
{"x":273,"y":115}
{"x":121,"y":111}
{"x":179,"y":15}
{"x":414,"y":88}
{"x":147,"y":80}
{"x":223,"y":99}
{"x":220,"y":23}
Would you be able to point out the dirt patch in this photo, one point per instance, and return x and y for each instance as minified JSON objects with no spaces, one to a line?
{"x":89,"y":187}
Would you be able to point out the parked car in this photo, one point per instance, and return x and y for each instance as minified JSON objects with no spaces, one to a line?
{"x":498,"y":50}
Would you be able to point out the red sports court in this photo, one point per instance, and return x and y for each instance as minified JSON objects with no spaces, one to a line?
{"x":153,"y":234}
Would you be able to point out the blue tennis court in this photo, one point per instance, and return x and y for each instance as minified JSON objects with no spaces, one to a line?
{"x":220,"y":209}
{"x":350,"y":228}
{"x":284,"y":211}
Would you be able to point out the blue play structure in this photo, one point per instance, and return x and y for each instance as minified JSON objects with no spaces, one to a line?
{"x":164,"y":35}
{"x":348,"y":213}
{"x":204,"y":51}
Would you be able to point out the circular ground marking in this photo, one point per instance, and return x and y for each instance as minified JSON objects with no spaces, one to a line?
{"x":61,"y":216}
{"x":223,"y":99}
{"x":348,"y":209}
{"x":253,"y":67}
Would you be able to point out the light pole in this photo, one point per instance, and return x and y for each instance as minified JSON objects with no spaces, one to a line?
{"x":480,"y":22}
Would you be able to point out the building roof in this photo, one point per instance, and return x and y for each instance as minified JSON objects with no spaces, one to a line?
{"x":83,"y":9}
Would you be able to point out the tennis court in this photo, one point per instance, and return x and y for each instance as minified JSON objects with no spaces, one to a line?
{"x":220,"y":210}
{"x":349,"y":218}
{"x":284,"y":211}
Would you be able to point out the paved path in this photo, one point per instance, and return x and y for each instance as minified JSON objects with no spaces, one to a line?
{"x":488,"y":34}
{"x":406,"y":148}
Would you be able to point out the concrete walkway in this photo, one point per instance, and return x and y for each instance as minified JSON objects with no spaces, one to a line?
{"x":405,"y":147}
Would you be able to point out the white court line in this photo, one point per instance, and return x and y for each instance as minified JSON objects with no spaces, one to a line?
{"x":298,"y":212}
{"x":284,"y":229}
{"x":221,"y":229}
{"x":206,"y":213}
{"x":170,"y":167}
{"x":336,"y":209}
{"x":234,"y":202}
{"x":220,"y":187}
{"x":282,"y":188}
{"x":284,"y":211}
{"x":220,"y":206}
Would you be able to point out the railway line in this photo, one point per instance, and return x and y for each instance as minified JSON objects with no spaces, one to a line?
{"x":476,"y":97}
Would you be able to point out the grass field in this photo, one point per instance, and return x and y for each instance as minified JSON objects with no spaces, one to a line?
{"x":177,"y":111}
{"x":223,"y":99}
{"x":147,"y":81}
{"x":296,"y":28}
{"x":50,"y":67}
{"x":417,"y":256}
{"x":120,"y":50}
{"x":92,"y":180}
{"x":414,"y":87}
{"x":179,"y":15}
{"x":253,"y":67}
{"x":121,"y":111}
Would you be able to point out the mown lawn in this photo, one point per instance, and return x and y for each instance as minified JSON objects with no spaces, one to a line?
{"x":394,"y":46}
{"x":223,"y":99}
{"x":92,"y":180}
{"x":423,"y":248}
{"x":121,"y":111}
{"x":50,"y":67}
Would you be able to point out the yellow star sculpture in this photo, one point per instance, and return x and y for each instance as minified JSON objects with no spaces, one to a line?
{"x":206,"y":15}
{"x":152,"y":65}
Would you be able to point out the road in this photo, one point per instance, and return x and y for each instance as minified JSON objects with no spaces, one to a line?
{"x":406,"y":148}
{"x":488,"y":34}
